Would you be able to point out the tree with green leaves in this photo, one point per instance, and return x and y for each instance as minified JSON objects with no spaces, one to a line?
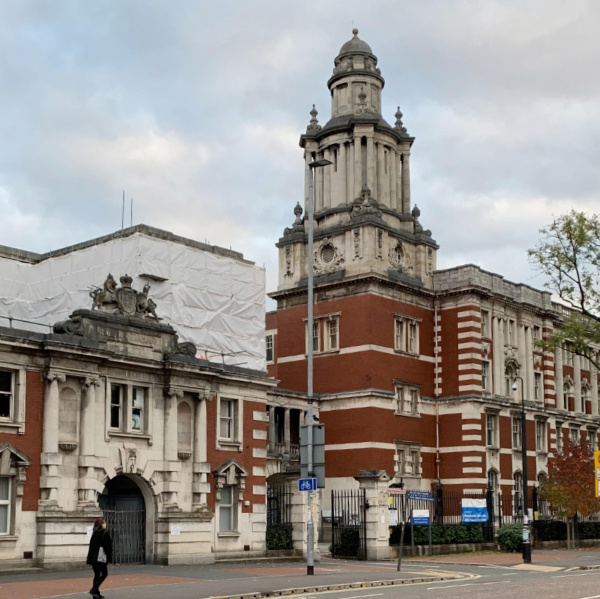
{"x":568,"y":254}
{"x":570,"y":485}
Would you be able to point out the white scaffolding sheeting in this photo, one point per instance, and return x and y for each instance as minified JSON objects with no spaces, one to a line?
{"x":215,"y":301}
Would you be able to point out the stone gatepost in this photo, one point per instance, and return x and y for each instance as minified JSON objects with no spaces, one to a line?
{"x":375,"y":483}
{"x":299,"y":512}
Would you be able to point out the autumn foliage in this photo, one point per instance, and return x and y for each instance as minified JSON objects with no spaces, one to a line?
{"x":570,"y":485}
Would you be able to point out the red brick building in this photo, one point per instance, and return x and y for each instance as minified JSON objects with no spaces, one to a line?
{"x":414,"y":367}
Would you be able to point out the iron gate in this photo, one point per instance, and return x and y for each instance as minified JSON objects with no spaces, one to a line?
{"x":349,"y":524}
{"x":279,"y":517}
{"x":127,"y":531}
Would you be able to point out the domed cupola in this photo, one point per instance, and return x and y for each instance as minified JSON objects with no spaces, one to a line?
{"x":356,"y":82}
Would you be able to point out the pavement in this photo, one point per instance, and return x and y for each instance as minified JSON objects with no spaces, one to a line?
{"x":275,"y":579}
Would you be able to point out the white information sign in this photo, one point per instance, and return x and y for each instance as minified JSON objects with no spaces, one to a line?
{"x":175,"y":530}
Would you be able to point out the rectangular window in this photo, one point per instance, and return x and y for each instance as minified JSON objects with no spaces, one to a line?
{"x":485,"y":323}
{"x":137,"y":409}
{"x":592,"y":441}
{"x":4,"y":505}
{"x":6,"y":394}
{"x":316,"y":341}
{"x":408,"y":459}
{"x":540,"y":435}
{"x":412,"y":338}
{"x":269,"y":347}
{"x":226,"y":509}
{"x":400,"y":343}
{"x":537,"y":333}
{"x":574,"y":435}
{"x":227,"y":420}
{"x":406,"y":334}
{"x":516,"y":432}
{"x":537,"y":386}
{"x":407,"y":400}
{"x":511,"y":332}
{"x":332,"y":334}
{"x":559,"y":439}
{"x":117,"y":397}
{"x":485,"y":375}
{"x":491,"y":426}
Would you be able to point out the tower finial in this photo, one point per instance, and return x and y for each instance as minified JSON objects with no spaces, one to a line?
{"x":314,"y":123}
{"x":399,"y":126}
{"x":355,"y":32}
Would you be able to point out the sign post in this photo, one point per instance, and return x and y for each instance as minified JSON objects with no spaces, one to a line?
{"x":597,"y":471}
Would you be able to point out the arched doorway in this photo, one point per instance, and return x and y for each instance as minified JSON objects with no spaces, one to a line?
{"x":124,"y":508}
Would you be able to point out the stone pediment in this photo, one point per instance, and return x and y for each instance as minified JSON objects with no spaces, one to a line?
{"x":9,"y":454}
{"x":230,"y":468}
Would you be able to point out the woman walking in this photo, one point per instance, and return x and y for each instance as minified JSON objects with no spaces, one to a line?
{"x":99,"y":555}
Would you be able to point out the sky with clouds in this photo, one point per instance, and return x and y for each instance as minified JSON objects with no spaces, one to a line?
{"x":195,"y":109}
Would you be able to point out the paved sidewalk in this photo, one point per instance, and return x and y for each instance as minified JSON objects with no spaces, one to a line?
{"x":216,"y":580}
{"x":563,"y":558}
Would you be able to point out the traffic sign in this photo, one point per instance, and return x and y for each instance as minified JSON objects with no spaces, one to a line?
{"x":307,"y":484}
{"x":420,"y":495}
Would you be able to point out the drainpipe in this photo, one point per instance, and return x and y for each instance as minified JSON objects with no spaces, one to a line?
{"x":435,"y":387}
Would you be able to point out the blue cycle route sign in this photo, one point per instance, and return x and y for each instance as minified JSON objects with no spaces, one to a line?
{"x":420,"y":495}
{"x":307,"y":484}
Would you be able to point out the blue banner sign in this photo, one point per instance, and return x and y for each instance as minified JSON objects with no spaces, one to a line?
{"x":420,"y":495}
{"x":474,"y":511}
{"x":307,"y":484}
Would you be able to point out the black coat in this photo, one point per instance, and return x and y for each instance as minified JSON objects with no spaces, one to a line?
{"x":100,"y":538}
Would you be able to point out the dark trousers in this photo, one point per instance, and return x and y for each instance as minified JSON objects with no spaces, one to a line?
{"x":100,"y":574}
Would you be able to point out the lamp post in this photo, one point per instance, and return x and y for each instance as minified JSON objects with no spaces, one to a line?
{"x":526,"y":536}
{"x":310,"y":527}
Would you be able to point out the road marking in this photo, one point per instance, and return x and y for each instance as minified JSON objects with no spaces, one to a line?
{"x":567,"y":575}
{"x":468,"y":584}
{"x":537,"y":568}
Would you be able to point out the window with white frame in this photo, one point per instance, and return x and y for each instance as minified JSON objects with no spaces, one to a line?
{"x":540,"y":436}
{"x":485,"y":323}
{"x":516,"y":432}
{"x":5,"y":505}
{"x":326,"y":333}
{"x":537,"y":333}
{"x":269,"y":348}
{"x":591,"y":440}
{"x":227,"y":419}
{"x":573,"y":435}
{"x":227,"y":509}
{"x":7,"y":385}
{"x":559,"y":437}
{"x":408,"y":459}
{"x":485,"y":376}
{"x":406,"y":334}
{"x":538,"y":392}
{"x":407,"y":399}
{"x":491,"y":429}
{"x":585,"y":396}
{"x":127,"y":410}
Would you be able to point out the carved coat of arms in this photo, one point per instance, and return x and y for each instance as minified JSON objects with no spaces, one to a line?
{"x":123,"y":300}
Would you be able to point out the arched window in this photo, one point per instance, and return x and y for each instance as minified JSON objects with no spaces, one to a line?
{"x":184,"y":430}
{"x":518,"y":493}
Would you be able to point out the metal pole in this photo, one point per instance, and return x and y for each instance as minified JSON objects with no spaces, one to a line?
{"x":526,"y":536}
{"x":310,"y":532}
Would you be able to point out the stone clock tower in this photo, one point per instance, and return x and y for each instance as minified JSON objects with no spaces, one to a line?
{"x":364,"y":224}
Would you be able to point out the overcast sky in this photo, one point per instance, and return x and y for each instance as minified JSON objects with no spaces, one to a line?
{"x":195,"y":109}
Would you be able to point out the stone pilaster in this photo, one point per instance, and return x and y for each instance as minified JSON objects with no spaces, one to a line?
{"x":51,"y":460}
{"x":201,"y":468}
{"x":87,"y":482}
{"x":577,"y":382}
{"x":594,"y":387}
{"x":558,"y":368}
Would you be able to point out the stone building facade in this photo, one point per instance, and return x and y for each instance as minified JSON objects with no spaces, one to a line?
{"x":413,"y":367}
{"x":111,"y":413}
